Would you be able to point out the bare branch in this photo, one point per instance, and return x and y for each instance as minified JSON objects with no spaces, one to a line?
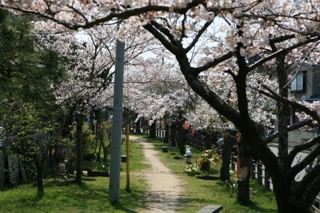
{"x":196,"y":39}
{"x":213,"y":63}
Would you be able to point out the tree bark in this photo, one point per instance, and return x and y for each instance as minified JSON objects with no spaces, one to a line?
{"x":180,"y":134}
{"x":138,"y":124}
{"x":153,"y":130}
{"x":173,"y":134}
{"x":80,"y":121}
{"x":99,"y":133}
{"x":166,"y":134}
{"x":208,"y":140}
{"x":245,"y":174}
{"x":226,"y":156}
{"x":39,"y":167}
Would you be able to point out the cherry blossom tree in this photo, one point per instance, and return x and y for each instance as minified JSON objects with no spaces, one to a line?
{"x":234,"y":58}
{"x":235,"y":53}
{"x":278,"y":32}
{"x":91,"y":57}
{"x":89,"y":75}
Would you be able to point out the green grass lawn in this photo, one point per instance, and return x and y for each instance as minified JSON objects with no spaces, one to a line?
{"x":92,"y":195}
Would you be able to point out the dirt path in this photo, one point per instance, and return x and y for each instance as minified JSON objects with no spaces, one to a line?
{"x":164,"y":187}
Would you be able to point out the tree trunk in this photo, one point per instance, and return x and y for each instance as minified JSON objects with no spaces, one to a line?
{"x":138,"y":124}
{"x":153,"y":130}
{"x":245,"y":174}
{"x":39,"y":167}
{"x":286,"y":201}
{"x":226,"y":155}
{"x":208,"y":140}
{"x":180,"y":134}
{"x":166,"y":134}
{"x":180,"y":140}
{"x":80,"y":120}
{"x":173,"y":134}
{"x":99,"y":134}
{"x":106,"y":153}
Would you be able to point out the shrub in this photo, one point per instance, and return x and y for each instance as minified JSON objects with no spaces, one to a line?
{"x":208,"y":157}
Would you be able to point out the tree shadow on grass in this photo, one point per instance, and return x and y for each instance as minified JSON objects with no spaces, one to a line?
{"x":91,"y":195}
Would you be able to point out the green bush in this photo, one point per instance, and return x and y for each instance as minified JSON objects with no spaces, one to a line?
{"x":192,"y":170}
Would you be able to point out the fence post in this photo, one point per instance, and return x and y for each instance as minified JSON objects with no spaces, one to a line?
{"x":266,"y":180}
{"x":254,"y":170}
{"x":232,"y":163}
{"x":259,"y":166}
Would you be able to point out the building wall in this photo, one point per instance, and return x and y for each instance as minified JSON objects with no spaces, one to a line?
{"x":313,"y":88}
{"x":298,"y":137}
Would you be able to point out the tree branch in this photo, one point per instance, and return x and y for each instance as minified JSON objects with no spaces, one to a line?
{"x":200,"y":33}
{"x":279,"y":52}
{"x":305,"y":109}
{"x":213,"y":63}
{"x":292,"y":127}
{"x":159,"y":35}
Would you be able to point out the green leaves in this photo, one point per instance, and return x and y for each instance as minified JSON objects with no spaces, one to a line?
{"x":26,"y":69}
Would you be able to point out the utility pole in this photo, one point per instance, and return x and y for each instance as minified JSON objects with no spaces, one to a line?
{"x":114,"y":184}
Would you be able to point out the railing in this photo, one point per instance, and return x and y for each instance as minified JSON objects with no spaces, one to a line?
{"x":258,"y":172}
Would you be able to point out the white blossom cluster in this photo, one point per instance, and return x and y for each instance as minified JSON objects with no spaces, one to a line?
{"x":313,"y":106}
{"x":157,"y":88}
{"x":86,"y":87}
{"x":90,"y":58}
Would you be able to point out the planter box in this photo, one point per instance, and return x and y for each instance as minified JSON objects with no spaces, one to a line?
{"x":97,"y":173}
{"x":164,"y":149}
{"x":123,"y":158}
{"x":205,"y":166}
{"x":207,"y":177}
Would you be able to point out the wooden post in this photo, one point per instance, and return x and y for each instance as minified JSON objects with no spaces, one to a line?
{"x":254,"y":170}
{"x":128,"y":157}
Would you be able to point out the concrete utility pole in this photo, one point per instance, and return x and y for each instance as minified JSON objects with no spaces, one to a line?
{"x":114,"y":184}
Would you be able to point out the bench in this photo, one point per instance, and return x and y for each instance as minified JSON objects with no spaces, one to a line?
{"x":211,"y":209}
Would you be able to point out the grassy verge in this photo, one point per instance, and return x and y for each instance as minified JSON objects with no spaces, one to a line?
{"x":91,"y":196}
{"x":198,"y":193}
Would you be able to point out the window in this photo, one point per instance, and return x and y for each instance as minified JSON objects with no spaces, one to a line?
{"x":299,"y":83}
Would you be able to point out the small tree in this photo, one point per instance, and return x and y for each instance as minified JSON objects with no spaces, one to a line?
{"x":33,"y":131}
{"x":27,"y":72}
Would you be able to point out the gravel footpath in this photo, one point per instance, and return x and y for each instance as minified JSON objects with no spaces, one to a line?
{"x":164,"y":188}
